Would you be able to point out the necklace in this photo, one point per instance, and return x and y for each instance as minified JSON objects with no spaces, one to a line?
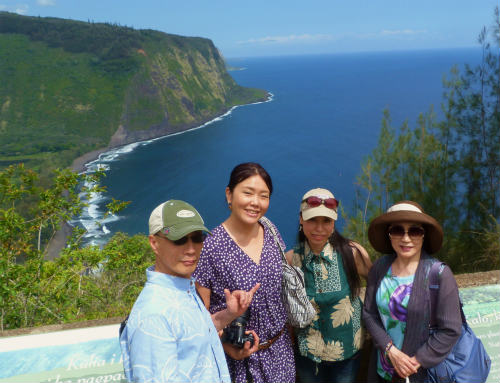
{"x":398,"y":270}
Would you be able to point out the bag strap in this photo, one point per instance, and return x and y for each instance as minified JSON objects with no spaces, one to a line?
{"x":122,"y":326}
{"x":270,"y":226}
{"x":434,"y":279}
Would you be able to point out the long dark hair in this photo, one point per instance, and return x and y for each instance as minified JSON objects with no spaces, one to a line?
{"x":246,"y":170}
{"x":343,"y":246}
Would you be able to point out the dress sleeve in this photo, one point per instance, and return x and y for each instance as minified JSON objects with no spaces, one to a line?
{"x":371,"y":316}
{"x":153,"y":352}
{"x":204,"y":272}
{"x":449,"y":323}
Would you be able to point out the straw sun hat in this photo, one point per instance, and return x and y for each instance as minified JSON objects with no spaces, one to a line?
{"x":405,"y":211}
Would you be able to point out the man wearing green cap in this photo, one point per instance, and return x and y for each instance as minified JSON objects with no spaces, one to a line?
{"x":170,"y":336}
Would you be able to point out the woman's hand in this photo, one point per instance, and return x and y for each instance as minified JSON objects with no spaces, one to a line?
{"x":402,"y":363}
{"x":238,"y":301}
{"x":247,"y":350}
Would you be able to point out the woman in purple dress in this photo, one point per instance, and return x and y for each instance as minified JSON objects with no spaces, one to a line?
{"x":241,"y":253}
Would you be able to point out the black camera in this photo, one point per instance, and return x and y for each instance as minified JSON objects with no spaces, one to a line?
{"x":235,"y":332}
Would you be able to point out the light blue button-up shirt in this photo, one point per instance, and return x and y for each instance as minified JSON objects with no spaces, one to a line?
{"x":170,"y":336}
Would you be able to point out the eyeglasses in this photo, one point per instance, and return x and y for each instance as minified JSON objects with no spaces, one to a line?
{"x":330,"y":203}
{"x":196,"y":237}
{"x":414,"y":232}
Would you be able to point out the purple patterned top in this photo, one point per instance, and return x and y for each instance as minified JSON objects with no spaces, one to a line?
{"x":224,"y":265}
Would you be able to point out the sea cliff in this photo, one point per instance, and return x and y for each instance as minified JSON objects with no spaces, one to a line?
{"x":70,"y":88}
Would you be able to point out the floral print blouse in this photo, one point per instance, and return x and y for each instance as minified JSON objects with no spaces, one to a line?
{"x":335,"y":333}
{"x":392,"y":297}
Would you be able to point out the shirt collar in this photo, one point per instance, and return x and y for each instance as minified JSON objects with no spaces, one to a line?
{"x":169,"y":281}
{"x":327,"y":253}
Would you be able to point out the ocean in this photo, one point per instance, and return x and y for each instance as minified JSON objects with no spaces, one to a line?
{"x":323,"y":119}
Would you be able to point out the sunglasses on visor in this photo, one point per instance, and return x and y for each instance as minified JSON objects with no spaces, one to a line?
{"x":413,"y":232}
{"x":330,"y":203}
{"x":195,"y":237}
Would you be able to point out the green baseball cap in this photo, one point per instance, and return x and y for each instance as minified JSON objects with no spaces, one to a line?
{"x":175,"y":219}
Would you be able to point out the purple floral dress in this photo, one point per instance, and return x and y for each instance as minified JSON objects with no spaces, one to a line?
{"x":224,"y":265}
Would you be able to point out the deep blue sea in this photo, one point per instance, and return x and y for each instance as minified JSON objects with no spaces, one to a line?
{"x":323,"y":119}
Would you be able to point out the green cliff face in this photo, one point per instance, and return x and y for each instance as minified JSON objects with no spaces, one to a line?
{"x":69,"y":87}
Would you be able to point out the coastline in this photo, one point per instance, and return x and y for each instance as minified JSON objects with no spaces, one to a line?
{"x":60,"y":238}
{"x":79,"y":165}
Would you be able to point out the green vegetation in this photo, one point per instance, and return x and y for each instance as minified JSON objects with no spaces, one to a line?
{"x":53,"y":103}
{"x":105,"y":41}
{"x":67,"y":86}
{"x":451,"y":167}
{"x":82,"y":283}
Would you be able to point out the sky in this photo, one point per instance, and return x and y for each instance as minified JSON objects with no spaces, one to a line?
{"x":286,"y":27}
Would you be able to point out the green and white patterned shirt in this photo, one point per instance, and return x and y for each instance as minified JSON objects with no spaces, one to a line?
{"x":335,"y":333}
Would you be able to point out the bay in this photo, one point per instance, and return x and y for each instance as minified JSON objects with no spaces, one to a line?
{"x":323,"y":119}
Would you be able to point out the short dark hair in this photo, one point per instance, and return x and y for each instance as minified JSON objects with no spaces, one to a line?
{"x":246,"y":170}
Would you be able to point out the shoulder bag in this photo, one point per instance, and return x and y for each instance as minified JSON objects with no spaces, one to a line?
{"x":467,"y":361}
{"x":299,"y":309}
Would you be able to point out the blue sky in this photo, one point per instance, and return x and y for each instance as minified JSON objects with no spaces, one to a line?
{"x":283,"y":27}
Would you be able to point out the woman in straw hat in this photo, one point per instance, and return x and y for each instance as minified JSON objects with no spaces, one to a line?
{"x":332,"y":265}
{"x":396,"y":310}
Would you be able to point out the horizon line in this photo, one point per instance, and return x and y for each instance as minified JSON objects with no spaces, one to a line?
{"x":353,"y":52}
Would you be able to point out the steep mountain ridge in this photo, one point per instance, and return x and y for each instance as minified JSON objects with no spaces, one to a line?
{"x":70,"y":87}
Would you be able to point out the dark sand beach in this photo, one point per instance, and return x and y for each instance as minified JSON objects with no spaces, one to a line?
{"x":78,"y":164}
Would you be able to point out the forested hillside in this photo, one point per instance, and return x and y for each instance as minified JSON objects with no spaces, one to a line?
{"x":69,"y":87}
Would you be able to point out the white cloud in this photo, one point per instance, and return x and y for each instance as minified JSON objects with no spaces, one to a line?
{"x":404,"y":32}
{"x":310,"y":39}
{"x":22,"y":9}
{"x":305,"y":38}
{"x":46,"y":3}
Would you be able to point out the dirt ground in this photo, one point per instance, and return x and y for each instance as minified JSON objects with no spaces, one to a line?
{"x":463,"y":280}
{"x":478,"y":279}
